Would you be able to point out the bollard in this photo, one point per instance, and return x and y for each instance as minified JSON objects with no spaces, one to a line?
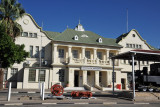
{"x":9,"y":91}
{"x":43,"y":90}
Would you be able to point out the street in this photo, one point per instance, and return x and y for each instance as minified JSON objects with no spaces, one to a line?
{"x":91,"y":105}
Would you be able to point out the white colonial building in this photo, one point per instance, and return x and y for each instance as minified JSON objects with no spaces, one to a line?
{"x":76,"y":57}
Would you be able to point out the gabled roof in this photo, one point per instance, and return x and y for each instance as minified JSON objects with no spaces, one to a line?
{"x":89,"y":38}
{"x":121,"y":37}
{"x":35,"y":24}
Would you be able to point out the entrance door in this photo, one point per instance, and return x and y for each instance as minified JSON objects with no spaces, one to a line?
{"x":123,"y":83}
{"x":76,"y":78}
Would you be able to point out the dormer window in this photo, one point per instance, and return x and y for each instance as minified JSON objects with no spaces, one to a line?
{"x":76,"y":37}
{"x":100,"y":40}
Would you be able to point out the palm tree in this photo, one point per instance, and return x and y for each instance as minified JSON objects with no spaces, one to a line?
{"x":9,"y":11}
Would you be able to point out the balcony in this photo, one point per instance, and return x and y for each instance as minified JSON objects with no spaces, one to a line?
{"x":85,"y":61}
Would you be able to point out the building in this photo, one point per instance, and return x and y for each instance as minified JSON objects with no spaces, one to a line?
{"x":76,"y":57}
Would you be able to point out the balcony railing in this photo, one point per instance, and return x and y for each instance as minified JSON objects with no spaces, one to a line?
{"x":87,"y":61}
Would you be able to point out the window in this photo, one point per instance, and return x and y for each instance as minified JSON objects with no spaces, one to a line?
{"x":14,"y":74}
{"x":143,"y":62}
{"x":61,"y":53}
{"x":130,"y":45}
{"x":14,"y":71}
{"x":35,"y":35}
{"x":75,"y":53}
{"x":37,"y":52}
{"x":31,"y":51}
{"x":140,"y":46}
{"x":111,"y":54}
{"x":134,"y":35}
{"x":127,"y":45}
{"x":61,"y":75}
{"x":41,"y":75}
{"x":32,"y":75}
{"x":5,"y":75}
{"x":25,"y":34}
{"x":43,"y":52}
{"x":30,"y":34}
{"x":99,"y":55}
{"x":100,"y":40}
{"x":124,"y":61}
{"x":76,"y":37}
{"x":114,"y":76}
{"x":147,"y":62}
{"x":134,"y":46}
{"x":87,"y":54}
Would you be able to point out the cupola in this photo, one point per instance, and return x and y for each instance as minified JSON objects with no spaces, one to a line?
{"x":79,"y":27}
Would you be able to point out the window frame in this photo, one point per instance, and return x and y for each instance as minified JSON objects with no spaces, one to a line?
{"x":43,"y":52}
{"x":37,"y":52}
{"x":42,"y":77}
{"x":22,"y":35}
{"x":75,"y":54}
{"x":31,"y":51}
{"x":99,"y":55}
{"x":61,"y":75}
{"x":61,"y":53}
{"x":88,"y":54}
{"x":32,"y":76}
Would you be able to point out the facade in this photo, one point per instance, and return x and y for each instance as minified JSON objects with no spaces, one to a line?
{"x":76,"y":57}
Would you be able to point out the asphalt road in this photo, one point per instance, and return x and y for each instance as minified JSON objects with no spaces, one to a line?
{"x":95,"y":105}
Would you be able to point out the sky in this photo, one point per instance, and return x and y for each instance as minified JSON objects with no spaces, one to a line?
{"x":107,"y":18}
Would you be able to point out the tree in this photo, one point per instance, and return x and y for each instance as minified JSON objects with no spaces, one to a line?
{"x":9,"y":11}
{"x":10,"y":53}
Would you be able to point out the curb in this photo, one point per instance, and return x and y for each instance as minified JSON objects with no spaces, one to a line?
{"x":16,"y":92}
{"x":103,"y":103}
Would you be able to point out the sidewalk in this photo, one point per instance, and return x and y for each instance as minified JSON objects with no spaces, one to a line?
{"x":120,"y":97}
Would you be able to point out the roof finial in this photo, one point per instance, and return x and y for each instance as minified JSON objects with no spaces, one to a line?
{"x":79,"y":21}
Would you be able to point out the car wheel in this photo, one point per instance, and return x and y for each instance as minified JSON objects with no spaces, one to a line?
{"x":150,"y":90}
{"x":144,"y":89}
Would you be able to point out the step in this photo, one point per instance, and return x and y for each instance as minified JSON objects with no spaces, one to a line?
{"x":74,"y":89}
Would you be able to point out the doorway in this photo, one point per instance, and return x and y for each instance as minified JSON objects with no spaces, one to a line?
{"x":76,"y":79}
{"x":123,"y":82}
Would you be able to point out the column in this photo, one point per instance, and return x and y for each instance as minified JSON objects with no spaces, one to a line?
{"x":95,"y":54}
{"x":97,"y":78}
{"x":107,"y":54}
{"x":70,"y":54}
{"x":54,"y":53}
{"x":83,"y":52}
{"x":84,"y":77}
{"x":71,"y":77}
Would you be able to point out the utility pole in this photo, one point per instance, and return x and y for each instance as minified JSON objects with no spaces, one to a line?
{"x":127,"y":20}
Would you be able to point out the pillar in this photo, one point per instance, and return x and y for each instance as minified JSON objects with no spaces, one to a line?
{"x":95,"y":54}
{"x":83,"y":52}
{"x":107,"y":55}
{"x":71,"y":77}
{"x":84,"y":77}
{"x":70,"y":54}
{"x":54,"y":53}
{"x":97,"y":78}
